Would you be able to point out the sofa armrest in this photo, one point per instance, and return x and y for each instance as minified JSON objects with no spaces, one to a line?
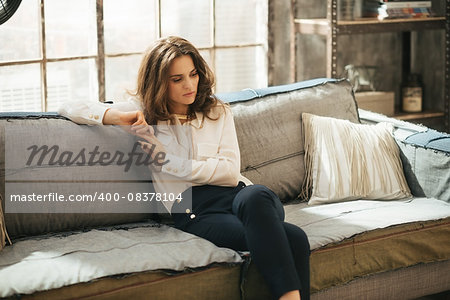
{"x":425,"y":155}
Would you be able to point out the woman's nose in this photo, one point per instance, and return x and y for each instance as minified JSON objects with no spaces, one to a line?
{"x":189,"y":83}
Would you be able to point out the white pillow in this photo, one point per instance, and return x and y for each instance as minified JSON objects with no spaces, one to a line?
{"x":348,"y":161}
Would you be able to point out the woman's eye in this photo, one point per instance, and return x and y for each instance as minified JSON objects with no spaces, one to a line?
{"x":194,"y":74}
{"x":176,"y":80}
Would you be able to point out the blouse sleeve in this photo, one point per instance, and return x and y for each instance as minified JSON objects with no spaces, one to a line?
{"x":212,"y":165}
{"x":91,"y":112}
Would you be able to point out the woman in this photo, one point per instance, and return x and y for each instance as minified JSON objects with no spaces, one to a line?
{"x":175,"y":88}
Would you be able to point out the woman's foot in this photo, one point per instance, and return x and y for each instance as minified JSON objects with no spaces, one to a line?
{"x":292,"y":295}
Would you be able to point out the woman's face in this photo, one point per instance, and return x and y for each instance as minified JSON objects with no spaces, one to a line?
{"x":183,"y":83}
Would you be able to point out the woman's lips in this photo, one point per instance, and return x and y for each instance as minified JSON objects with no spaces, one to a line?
{"x":189,"y":94}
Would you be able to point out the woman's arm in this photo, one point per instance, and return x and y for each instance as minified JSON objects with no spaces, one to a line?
{"x":94,"y":113}
{"x":114,"y":116}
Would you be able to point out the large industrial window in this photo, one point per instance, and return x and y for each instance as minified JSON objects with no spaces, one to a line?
{"x":59,"y":50}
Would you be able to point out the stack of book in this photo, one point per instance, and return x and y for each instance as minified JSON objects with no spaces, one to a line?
{"x":392,"y":9}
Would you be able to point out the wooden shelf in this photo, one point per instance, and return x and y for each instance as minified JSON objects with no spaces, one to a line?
{"x":312,"y":26}
{"x":406,"y":116}
{"x":331,"y":28}
{"x":368,"y":25}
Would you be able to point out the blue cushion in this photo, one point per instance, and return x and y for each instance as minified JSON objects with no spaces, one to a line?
{"x":430,"y":139}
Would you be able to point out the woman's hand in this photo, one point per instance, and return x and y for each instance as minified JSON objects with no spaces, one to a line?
{"x":151,"y":145}
{"x":126,"y":119}
{"x":116,"y":117}
{"x":139,"y":127}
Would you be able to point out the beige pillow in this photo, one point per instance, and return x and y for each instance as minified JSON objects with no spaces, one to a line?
{"x":3,"y":233}
{"x":348,"y":161}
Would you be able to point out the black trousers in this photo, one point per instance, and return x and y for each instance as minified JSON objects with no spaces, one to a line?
{"x":251,"y":218}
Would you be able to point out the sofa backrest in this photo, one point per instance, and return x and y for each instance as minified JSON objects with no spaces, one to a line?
{"x":38,"y":217}
{"x":268,"y":124}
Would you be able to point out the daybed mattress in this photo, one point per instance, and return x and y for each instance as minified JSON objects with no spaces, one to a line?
{"x":357,"y":238}
{"x":348,"y":240}
{"x":45,"y":263}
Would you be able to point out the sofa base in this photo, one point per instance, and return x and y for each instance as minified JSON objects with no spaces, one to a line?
{"x":216,"y":282}
{"x":221,"y":282}
{"x":405,"y":283}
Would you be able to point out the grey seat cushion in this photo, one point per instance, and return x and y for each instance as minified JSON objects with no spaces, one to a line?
{"x":43,"y":263}
{"x":331,"y":223}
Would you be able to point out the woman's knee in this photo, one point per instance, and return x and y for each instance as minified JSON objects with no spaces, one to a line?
{"x":254,"y":198}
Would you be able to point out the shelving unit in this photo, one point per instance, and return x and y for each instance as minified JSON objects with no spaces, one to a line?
{"x":331,"y":28}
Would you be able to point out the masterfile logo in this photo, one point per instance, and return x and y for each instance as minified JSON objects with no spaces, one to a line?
{"x":53,"y":155}
{"x":90,"y":169}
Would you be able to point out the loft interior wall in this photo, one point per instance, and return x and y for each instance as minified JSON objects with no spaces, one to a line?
{"x":429,"y":61}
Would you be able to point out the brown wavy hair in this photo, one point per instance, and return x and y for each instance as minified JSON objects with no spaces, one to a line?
{"x":153,"y":80}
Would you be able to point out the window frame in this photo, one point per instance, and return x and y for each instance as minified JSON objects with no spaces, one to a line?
{"x":100,"y":57}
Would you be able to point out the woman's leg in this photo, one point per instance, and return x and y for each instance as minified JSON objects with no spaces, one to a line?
{"x":299,"y":244}
{"x":280,"y":250}
{"x":224,"y":230}
{"x":210,"y":217}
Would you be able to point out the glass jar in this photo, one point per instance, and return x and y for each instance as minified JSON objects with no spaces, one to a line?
{"x":412,"y":94}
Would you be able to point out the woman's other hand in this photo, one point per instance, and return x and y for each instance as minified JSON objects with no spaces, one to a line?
{"x":150,"y":144}
{"x":153,"y":147}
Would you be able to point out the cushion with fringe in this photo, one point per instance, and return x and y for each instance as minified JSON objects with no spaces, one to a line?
{"x":347,"y":161}
{"x":3,"y":232}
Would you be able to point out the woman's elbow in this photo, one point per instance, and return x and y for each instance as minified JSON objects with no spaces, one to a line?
{"x":233,"y":176}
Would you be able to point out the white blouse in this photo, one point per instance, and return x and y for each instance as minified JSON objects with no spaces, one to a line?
{"x":199,"y":152}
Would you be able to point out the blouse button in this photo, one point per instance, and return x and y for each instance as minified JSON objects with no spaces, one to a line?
{"x":192,"y":216}
{"x":188,"y":210}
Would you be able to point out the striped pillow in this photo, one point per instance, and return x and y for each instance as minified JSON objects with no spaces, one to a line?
{"x":347,"y":161}
{"x":3,"y":233}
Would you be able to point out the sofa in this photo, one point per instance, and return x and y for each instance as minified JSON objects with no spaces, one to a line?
{"x":360,"y":249}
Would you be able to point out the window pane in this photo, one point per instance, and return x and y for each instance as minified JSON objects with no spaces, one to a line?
{"x":121,"y":75}
{"x":21,"y":88}
{"x":20,"y":34}
{"x":71,"y":28}
{"x":71,"y":80}
{"x":240,"y":68}
{"x":188,"y":19}
{"x":206,"y":54}
{"x":241,"y":22}
{"x":131,"y":27}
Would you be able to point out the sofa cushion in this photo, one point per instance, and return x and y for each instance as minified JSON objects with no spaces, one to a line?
{"x":357,"y":238}
{"x":430,"y":139}
{"x":425,"y":156}
{"x":34,"y":218}
{"x":269,"y":129}
{"x":347,"y":161}
{"x":3,"y":233}
{"x":45,"y":263}
{"x":218,"y":282}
